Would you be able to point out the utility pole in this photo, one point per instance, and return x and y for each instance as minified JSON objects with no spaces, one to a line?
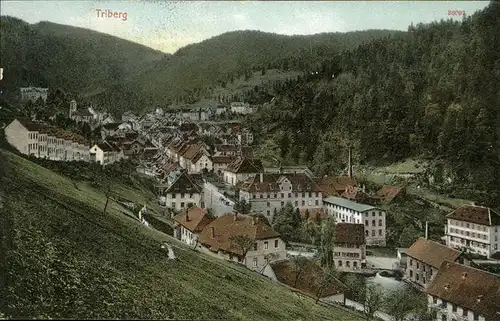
{"x":426,"y":230}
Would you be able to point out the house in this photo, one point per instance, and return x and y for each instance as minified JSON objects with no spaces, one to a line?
{"x":195,"y":158}
{"x":226,"y":150}
{"x":388,"y":194}
{"x":219,"y":163}
{"x":402,"y":257}
{"x":128,"y":115}
{"x":335,"y":186}
{"x":133,"y":148}
{"x":79,"y":116}
{"x":241,"y":169}
{"x":268,"y":193}
{"x":106,"y":153}
{"x":346,"y":211}
{"x":357,"y":195}
{"x":220,"y":110}
{"x":189,"y":223}
{"x":180,"y":191}
{"x":475,"y":229}
{"x":33,"y":93}
{"x":349,"y":251}
{"x":241,"y":108}
{"x":44,"y":141}
{"x":460,"y":292}
{"x":109,"y":130}
{"x":245,"y":137}
{"x":219,"y":237}
{"x":108,"y":119}
{"x":424,"y":258}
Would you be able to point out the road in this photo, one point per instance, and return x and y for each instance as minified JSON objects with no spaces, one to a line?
{"x":216,"y":200}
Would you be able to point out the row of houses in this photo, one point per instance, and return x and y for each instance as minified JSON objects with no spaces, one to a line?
{"x":455,"y":287}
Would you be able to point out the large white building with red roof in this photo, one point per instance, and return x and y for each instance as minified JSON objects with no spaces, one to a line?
{"x":475,"y":229}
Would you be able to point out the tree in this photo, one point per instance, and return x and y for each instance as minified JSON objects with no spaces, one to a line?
{"x":328,"y":276}
{"x":399,"y":303}
{"x":243,"y":243}
{"x":242,"y":206}
{"x":309,"y":230}
{"x":372,"y":300}
{"x":306,"y":214}
{"x":300,"y":263}
{"x":296,"y":218}
{"x":327,"y":242}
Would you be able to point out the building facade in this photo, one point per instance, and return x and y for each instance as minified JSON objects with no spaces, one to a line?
{"x":475,"y":229}
{"x":350,"y":247}
{"x":268,"y":193}
{"x":106,"y":153}
{"x":463,"y":293}
{"x":43,"y":141}
{"x":373,"y":218}
{"x":424,"y":259}
{"x":180,"y":192}
{"x":241,"y":169}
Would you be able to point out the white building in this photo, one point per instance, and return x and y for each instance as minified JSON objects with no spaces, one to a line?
{"x":33,"y":93}
{"x":241,"y":108}
{"x":460,"y":292}
{"x":43,"y":141}
{"x":106,"y":153}
{"x":219,"y":237}
{"x":180,"y":192}
{"x":475,"y":229}
{"x":241,"y":169}
{"x":189,"y":223}
{"x":268,"y":193}
{"x":372,"y":217}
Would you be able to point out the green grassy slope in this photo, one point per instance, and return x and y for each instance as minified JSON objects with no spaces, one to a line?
{"x":65,"y":259}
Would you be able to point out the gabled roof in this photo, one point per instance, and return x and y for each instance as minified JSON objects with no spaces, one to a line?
{"x":183,"y":184}
{"x":194,"y":219}
{"x":333,"y":185}
{"x":226,"y":148}
{"x":350,"y":233}
{"x":111,"y":126}
{"x":226,"y":227}
{"x":388,"y":193}
{"x":222,"y":159}
{"x":469,"y":288}
{"x":245,"y":165}
{"x":475,"y":214}
{"x":354,"y":194}
{"x":51,"y":131}
{"x":106,"y":146}
{"x":271,"y":183}
{"x":432,"y":253}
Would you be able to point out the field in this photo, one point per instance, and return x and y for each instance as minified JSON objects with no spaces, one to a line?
{"x":66,"y":259}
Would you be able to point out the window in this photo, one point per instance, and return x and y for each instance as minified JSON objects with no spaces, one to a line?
{"x":379,"y":222}
{"x":476,"y":316}
{"x":296,"y":194}
{"x":411,"y":273}
{"x":296,"y":203}
{"x":443,"y":317}
{"x":261,"y":196}
{"x":282,"y":203}
{"x":253,"y":196}
{"x":418,"y":265}
{"x":268,"y":213}
{"x":379,"y":232}
{"x":266,"y":245}
{"x":268,"y":204}
{"x":275,"y":195}
{"x":454,"y":308}
{"x":434,"y":300}
{"x":310,"y":194}
{"x":367,"y":223}
{"x":316,"y":202}
{"x":255,"y":246}
{"x":464,"y":312}
{"x":411,"y":262}
{"x":182,"y":195}
{"x":282,"y":195}
{"x":373,"y":213}
{"x":373,"y":232}
{"x":254,"y":261}
{"x":289,"y":195}
{"x":366,"y":232}
{"x":182,"y":204}
{"x":379,"y":213}
{"x":373,"y":223}
{"x":276,"y":243}
{"x":303,"y":203}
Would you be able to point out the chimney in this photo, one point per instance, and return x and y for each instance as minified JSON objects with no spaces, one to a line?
{"x":212,"y":232}
{"x":350,"y":163}
{"x":187,"y":214}
{"x":261,"y":177}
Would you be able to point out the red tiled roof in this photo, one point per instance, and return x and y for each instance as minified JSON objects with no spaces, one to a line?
{"x":432,"y":253}
{"x":469,"y":288}
{"x":245,"y":165}
{"x":226,"y":227}
{"x":193,"y":219}
{"x":388,"y":193}
{"x":52,"y":131}
{"x":350,"y":233}
{"x":334,"y":186}
{"x":475,"y":214}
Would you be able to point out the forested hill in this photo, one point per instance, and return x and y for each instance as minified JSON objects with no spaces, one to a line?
{"x":434,"y":92}
{"x":74,"y":59}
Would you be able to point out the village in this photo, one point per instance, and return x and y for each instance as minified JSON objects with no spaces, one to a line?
{"x":221,"y":200}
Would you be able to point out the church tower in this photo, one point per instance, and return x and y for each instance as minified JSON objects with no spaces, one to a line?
{"x":72,"y":107}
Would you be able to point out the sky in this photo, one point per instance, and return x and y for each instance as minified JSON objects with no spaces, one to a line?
{"x":170,"y":25}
